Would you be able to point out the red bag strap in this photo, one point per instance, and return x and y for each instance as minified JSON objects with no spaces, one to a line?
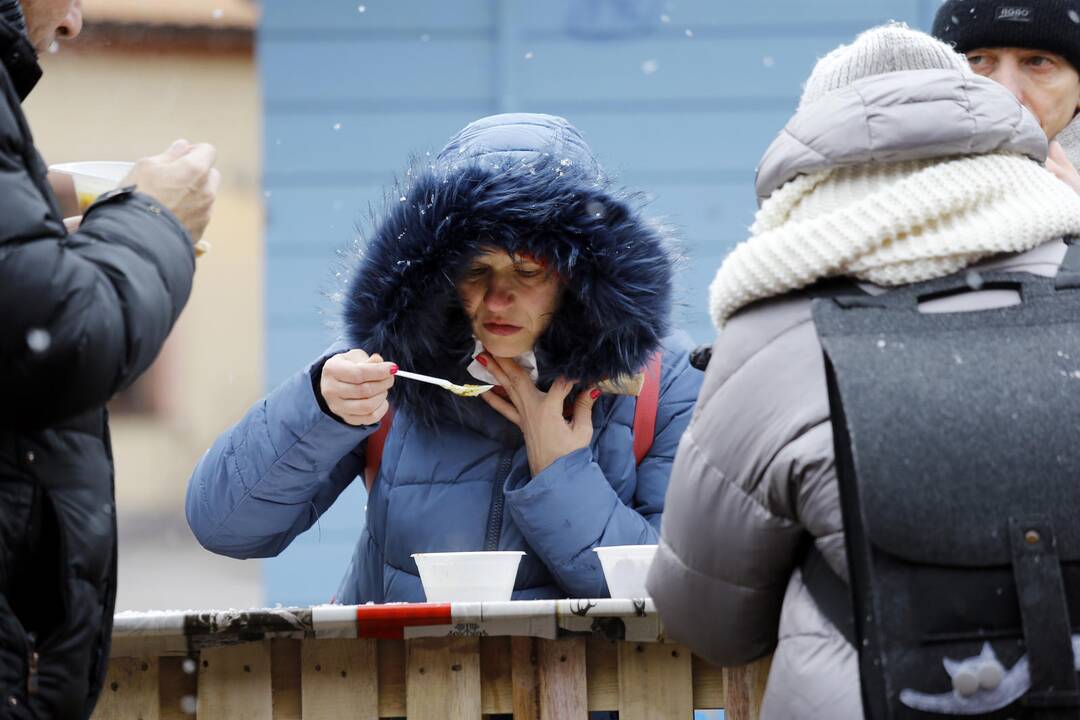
{"x":374,"y":449}
{"x":648,"y":400}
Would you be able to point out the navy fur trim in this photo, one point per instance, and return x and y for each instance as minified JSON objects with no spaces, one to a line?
{"x":402,"y":300}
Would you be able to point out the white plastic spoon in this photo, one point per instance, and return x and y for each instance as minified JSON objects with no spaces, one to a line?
{"x":462,"y":390}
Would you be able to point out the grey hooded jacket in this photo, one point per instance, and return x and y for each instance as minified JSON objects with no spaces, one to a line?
{"x":1070,"y":141}
{"x":754,"y":480}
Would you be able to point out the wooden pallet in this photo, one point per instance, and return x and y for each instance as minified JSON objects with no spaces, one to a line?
{"x":424,"y":678}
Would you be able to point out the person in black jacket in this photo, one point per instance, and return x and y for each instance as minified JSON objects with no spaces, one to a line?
{"x":81,"y":316}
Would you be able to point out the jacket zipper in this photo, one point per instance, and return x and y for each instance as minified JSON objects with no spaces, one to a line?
{"x":32,"y":657}
{"x":36,"y":509}
{"x":494,"y":526}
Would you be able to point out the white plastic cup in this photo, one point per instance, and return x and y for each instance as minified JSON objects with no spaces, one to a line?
{"x":625,"y":569}
{"x":93,"y":178}
{"x":468,"y":576}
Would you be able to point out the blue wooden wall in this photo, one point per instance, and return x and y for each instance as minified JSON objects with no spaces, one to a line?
{"x":679,"y":98}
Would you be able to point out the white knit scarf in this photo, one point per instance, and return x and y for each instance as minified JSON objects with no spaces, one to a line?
{"x":893,"y":224}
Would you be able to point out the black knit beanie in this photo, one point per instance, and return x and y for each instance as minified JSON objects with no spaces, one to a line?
{"x":11,"y":11}
{"x":1051,"y":25}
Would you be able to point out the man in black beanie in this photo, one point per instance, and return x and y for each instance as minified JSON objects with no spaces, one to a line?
{"x":1033,"y":48}
{"x":82,"y":314}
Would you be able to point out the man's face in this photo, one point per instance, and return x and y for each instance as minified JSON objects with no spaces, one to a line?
{"x":49,"y":20}
{"x":1044,"y":82}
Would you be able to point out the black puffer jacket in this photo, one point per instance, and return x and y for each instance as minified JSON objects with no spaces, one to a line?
{"x":81,"y":316}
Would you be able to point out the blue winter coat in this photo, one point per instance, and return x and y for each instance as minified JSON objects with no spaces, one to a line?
{"x":454,"y":473}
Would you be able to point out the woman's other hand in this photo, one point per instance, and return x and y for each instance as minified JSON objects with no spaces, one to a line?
{"x":548,"y":435}
{"x":355,"y":386}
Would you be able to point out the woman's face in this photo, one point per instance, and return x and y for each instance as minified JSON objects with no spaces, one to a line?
{"x":509,"y":299}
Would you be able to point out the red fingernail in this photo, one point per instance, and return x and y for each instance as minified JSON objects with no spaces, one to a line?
{"x":393,"y":369}
{"x":594,"y":394}
{"x":482,"y":360}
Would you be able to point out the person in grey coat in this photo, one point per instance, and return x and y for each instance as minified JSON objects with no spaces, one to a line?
{"x":901,"y":165}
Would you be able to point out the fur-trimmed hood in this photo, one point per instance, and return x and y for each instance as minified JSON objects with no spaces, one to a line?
{"x":527,"y":184}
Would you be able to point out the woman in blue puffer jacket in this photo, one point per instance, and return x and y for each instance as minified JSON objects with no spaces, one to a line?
{"x":509,"y":258}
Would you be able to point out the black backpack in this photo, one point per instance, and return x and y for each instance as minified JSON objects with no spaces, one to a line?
{"x":957,"y":441}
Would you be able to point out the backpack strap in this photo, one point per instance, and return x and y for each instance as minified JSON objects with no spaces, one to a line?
{"x":648,"y":401}
{"x":830,"y":593}
{"x":1068,"y":276}
{"x":374,"y":449}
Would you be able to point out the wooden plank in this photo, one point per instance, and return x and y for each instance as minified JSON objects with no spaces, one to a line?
{"x":525,"y":676}
{"x":442,"y":680}
{"x":708,"y":685}
{"x":235,"y":682}
{"x":334,"y":209}
{"x":287,"y":345}
{"x":496,"y":685}
{"x":744,"y":688}
{"x":285,"y":678}
{"x":152,"y":646}
{"x":302,"y":292}
{"x":418,"y":15}
{"x":446,"y":68}
{"x":178,"y":687}
{"x":391,"y":678}
{"x":339,"y":678}
{"x":379,"y":142}
{"x":655,"y":681}
{"x":758,"y":18}
{"x":613,"y":72}
{"x":632,"y":142}
{"x":602,"y":673}
{"x":131,"y":691}
{"x":549,"y":678}
{"x":640,"y":153}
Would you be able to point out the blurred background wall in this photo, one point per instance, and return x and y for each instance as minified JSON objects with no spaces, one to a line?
{"x":315,"y":107}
